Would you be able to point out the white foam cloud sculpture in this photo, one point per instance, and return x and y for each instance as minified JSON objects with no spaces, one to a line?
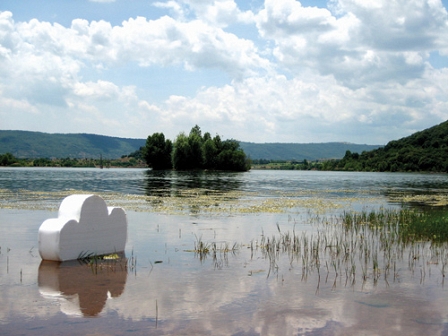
{"x":85,"y":225}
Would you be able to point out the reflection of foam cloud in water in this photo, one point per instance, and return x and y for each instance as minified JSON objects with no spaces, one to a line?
{"x":80,"y":289}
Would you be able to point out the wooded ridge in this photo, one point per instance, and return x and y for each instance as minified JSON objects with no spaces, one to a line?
{"x":27,"y":144}
{"x":424,"y":151}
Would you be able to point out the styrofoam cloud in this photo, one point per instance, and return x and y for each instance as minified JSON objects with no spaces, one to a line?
{"x":85,"y":225}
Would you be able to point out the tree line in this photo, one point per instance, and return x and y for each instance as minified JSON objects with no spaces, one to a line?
{"x":286,"y":164}
{"x":425,"y":151}
{"x":194,"y":151}
{"x":126,"y":161}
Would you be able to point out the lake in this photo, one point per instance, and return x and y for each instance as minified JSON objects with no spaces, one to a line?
{"x":164,"y":285}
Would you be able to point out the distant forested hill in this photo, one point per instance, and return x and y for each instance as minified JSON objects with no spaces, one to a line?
{"x":25,"y":144}
{"x":426,"y":150}
{"x":301,"y":151}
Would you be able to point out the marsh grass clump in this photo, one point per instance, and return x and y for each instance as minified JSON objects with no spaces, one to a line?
{"x":429,"y":225}
{"x":88,"y":258}
{"x":106,"y":262}
{"x":365,"y":245}
{"x":405,"y":225}
{"x":201,"y":248}
{"x":217,"y":251}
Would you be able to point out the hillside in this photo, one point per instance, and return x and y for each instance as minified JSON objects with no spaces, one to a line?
{"x":301,"y":151}
{"x":25,"y":144}
{"x":426,"y":150}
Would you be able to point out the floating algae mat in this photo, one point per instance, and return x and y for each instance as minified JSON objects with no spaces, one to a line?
{"x":438,"y":199}
{"x":200,"y":201}
{"x":192,"y":201}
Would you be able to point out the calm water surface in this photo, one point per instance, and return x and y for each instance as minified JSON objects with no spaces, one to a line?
{"x":165,"y":288}
{"x":142,"y":181}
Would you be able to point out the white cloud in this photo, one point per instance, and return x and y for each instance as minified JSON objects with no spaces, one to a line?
{"x":368,"y":41}
{"x":218,"y":13}
{"x":281,"y":19}
{"x":164,"y":41}
{"x":314,"y":108}
{"x":100,"y":89}
{"x":50,"y":58}
{"x":175,"y":8}
{"x":309,"y":75}
{"x":399,"y":25}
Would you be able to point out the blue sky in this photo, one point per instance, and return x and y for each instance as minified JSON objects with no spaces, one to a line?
{"x":260,"y":71}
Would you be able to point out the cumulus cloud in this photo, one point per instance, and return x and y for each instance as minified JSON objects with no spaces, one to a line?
{"x":51,"y":58}
{"x":317,"y":70}
{"x":100,"y":90}
{"x":362,"y":44}
{"x":398,"y":25}
{"x":218,"y":13}
{"x":314,"y":108}
{"x":41,"y":51}
{"x":164,"y":41}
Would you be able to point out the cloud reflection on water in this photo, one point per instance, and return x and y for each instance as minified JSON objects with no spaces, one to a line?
{"x":185,"y":295}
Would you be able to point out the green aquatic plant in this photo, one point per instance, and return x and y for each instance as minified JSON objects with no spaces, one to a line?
{"x":373,"y":242}
{"x":87,"y":257}
{"x":107,"y":262}
{"x":203,"y":249}
{"x":200,"y":246}
{"x":428,"y":225}
{"x":404,"y":225}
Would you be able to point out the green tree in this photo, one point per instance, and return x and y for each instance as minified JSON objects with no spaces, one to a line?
{"x":206,"y":136}
{"x":42,"y":162}
{"x":195,"y":142}
{"x":232,"y":157}
{"x":233,"y":160}
{"x":7,"y":159}
{"x":305,"y":164}
{"x":218,"y":142}
{"x":197,"y":152}
{"x":181,"y":153}
{"x":209,"y":152}
{"x":196,"y":130}
{"x":157,"y":152}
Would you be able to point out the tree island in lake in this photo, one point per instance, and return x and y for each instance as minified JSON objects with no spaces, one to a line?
{"x":195,"y":151}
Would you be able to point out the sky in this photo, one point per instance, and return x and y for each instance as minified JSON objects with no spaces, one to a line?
{"x":357,"y":71}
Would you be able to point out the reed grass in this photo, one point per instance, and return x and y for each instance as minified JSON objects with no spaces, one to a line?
{"x":218,"y":252}
{"x":373,"y":242}
{"x":357,"y":246}
{"x":108,"y":262}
